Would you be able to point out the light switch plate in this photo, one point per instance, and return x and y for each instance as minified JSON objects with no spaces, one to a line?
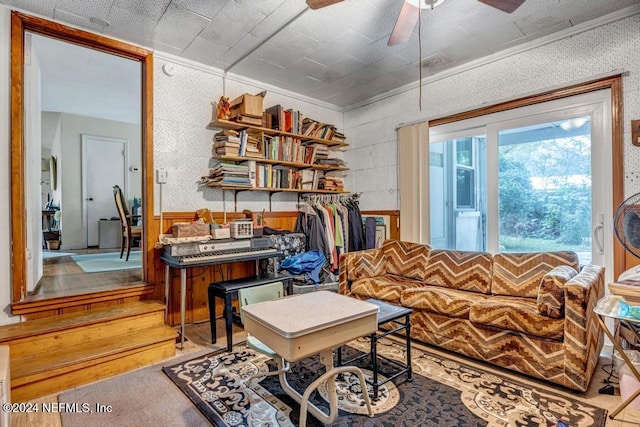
{"x":635,"y":132}
{"x":161,"y":176}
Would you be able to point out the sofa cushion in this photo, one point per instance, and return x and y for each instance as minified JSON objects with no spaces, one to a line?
{"x":519,"y":274}
{"x":551,"y":291}
{"x":516,"y":314}
{"x":450,"y":302}
{"x":406,"y":259}
{"x":385,"y":288}
{"x":368,"y":263}
{"x":468,"y":271}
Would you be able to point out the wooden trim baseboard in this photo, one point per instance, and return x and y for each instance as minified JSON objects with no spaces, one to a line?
{"x":64,"y":302}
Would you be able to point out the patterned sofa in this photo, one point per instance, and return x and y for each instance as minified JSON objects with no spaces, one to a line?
{"x":532,"y":313}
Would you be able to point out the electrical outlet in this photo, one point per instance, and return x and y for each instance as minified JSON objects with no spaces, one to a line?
{"x":161,"y":176}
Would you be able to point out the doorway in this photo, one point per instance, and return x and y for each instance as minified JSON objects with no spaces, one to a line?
{"x":104,"y":164}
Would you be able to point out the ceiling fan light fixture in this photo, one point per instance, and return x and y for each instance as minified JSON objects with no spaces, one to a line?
{"x":425,"y":4}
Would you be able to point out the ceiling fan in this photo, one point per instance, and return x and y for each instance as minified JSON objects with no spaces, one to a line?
{"x":410,"y":13}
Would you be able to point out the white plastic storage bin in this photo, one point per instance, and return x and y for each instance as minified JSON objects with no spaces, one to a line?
{"x":241,"y":229}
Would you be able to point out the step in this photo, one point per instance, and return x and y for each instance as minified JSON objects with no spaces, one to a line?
{"x":63,"y":340}
{"x":41,"y":374}
{"x":64,"y":322}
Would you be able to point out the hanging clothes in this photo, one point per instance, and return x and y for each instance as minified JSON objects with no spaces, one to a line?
{"x":312,"y":225}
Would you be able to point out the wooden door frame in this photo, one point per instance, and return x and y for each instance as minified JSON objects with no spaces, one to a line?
{"x":19,"y":24}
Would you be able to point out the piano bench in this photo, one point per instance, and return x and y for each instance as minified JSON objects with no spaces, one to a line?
{"x":228,"y":290}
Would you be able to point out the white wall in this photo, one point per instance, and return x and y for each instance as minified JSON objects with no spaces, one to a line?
{"x":33,"y":144}
{"x":371,"y":129}
{"x":70,"y":165}
{"x":182,"y":143}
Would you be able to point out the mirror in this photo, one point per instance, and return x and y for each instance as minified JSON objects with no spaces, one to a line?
{"x":93,"y":135}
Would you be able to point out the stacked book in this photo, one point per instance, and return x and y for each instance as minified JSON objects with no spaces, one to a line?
{"x":251,"y":147}
{"x":236,"y":143}
{"x":318,"y":130}
{"x":331,"y":162}
{"x":226,"y":143}
{"x":229,"y":174}
{"x":321,"y":152}
{"x":248,"y":120}
{"x":331,"y":183}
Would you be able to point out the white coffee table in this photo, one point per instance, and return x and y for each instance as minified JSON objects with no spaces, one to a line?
{"x":303,"y":325}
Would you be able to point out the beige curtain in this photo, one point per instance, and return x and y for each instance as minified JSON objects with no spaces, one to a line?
{"x":413,"y":180}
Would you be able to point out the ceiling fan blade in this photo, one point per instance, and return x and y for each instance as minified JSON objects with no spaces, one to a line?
{"x":504,"y":5}
{"x":317,"y":4}
{"x":407,"y":19}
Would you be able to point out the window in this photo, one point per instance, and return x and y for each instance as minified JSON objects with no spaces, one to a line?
{"x":524,"y":180}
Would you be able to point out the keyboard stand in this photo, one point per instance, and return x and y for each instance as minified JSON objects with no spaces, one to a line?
{"x":228,"y":290}
{"x":172,"y":263}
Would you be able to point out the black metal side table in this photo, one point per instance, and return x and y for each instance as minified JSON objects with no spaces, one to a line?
{"x":388,"y":313}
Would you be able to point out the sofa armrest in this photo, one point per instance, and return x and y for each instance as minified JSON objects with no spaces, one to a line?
{"x":359,"y":265}
{"x":583,"y":338}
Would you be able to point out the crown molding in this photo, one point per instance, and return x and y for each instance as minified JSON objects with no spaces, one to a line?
{"x":533,"y":44}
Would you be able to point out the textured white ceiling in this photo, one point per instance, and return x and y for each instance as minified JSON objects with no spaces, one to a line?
{"x":337,"y":54}
{"x":82,"y":81}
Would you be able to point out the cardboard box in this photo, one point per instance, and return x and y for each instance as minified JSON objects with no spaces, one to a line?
{"x":247,"y":105}
{"x":221,"y":233}
{"x":186,"y":229}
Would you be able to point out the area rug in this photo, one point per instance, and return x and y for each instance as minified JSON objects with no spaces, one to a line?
{"x":443,"y":392}
{"x":111,"y":261}
{"x":55,"y":254}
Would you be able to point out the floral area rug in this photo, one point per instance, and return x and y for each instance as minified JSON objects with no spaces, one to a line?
{"x":443,"y":392}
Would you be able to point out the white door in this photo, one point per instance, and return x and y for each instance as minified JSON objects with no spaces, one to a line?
{"x":104,"y":162}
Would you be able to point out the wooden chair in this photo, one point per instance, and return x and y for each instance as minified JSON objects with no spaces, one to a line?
{"x":129,"y":231}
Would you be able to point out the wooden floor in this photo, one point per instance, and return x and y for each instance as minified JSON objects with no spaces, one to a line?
{"x":199,"y":338}
{"x":62,"y":276}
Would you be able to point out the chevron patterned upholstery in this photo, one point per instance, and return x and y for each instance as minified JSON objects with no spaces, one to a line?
{"x":405,"y":258}
{"x":537,"y":318}
{"x":369,"y":263}
{"x":551,"y":292}
{"x":450,"y":302}
{"x":519,"y":274}
{"x":516,"y":314}
{"x":385,"y":288}
{"x":469,"y":271}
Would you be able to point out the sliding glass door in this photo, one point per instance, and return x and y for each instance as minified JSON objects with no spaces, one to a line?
{"x":533,"y":179}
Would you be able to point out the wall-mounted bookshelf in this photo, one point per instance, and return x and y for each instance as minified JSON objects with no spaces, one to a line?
{"x":277,"y":161}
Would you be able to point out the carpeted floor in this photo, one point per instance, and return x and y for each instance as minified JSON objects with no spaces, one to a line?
{"x":110,"y":261}
{"x":444,"y":392}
